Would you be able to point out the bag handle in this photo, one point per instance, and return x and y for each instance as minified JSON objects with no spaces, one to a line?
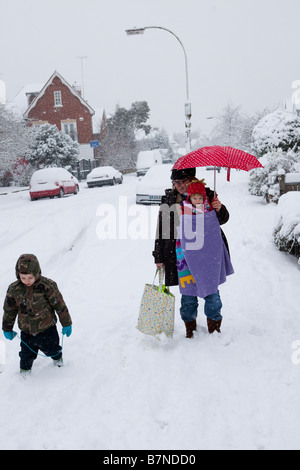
{"x":161,"y":275}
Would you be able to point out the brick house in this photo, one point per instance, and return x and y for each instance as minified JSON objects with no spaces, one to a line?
{"x":58,"y":103}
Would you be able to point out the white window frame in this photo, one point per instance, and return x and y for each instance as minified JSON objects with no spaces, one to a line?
{"x":69,"y":124}
{"x":57,"y":98}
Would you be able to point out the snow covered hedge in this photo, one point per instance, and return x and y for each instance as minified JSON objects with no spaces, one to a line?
{"x":287,"y":227}
{"x":264,"y":181}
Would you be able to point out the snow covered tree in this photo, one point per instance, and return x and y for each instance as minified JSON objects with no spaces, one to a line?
{"x":14,"y":140}
{"x":51,"y":147}
{"x":228,"y":127}
{"x":234,"y":128}
{"x":118,"y":148}
{"x":156,"y":139}
{"x":277,"y":130}
{"x":139,"y":114}
{"x":276,"y":137}
{"x":249,"y":123}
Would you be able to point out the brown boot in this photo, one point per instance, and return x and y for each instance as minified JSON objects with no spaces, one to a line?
{"x":213,"y":325}
{"x":190,"y":326}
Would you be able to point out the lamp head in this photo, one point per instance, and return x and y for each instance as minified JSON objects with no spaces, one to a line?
{"x":133,"y":31}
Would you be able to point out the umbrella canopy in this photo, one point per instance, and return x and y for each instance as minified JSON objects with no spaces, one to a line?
{"x":217,"y":155}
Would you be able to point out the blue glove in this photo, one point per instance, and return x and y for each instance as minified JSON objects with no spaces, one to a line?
{"x":67,"y":330}
{"x":9,"y":334}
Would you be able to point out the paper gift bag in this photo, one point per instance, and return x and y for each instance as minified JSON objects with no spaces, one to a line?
{"x":157,"y":309}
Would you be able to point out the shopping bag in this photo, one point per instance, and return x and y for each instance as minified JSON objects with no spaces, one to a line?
{"x":157,"y":309}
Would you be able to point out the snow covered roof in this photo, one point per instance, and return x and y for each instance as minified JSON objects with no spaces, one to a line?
{"x":44,"y":88}
{"x":292,"y":178}
{"x":19,"y":103}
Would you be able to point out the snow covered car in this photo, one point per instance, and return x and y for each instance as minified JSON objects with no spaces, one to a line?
{"x":146,"y":159}
{"x":152,"y":186}
{"x":51,"y":182}
{"x":103,"y":175}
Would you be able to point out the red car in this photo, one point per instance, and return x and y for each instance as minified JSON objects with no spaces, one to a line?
{"x":51,"y":182}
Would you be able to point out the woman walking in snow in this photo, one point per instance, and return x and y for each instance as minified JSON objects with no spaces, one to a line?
{"x":169,"y":220}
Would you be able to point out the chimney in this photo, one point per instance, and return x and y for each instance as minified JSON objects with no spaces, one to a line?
{"x":30,"y":96}
{"x":77,"y":88}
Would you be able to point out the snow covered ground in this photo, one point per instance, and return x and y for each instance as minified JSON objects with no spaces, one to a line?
{"x":120,"y":389}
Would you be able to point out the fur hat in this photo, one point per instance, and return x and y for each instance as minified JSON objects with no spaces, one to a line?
{"x":183,"y":174}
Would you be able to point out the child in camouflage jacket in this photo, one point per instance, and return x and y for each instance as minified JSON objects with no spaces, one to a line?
{"x":35,"y":299}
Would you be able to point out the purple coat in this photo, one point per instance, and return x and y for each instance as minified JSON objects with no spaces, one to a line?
{"x":203,"y":261}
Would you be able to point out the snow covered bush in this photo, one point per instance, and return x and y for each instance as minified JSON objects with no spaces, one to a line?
{"x":51,"y":147}
{"x":277,"y":130}
{"x":287,"y":227}
{"x":21,"y":173}
{"x":264,"y":181}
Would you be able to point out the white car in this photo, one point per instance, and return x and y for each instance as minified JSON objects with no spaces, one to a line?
{"x":146,"y":159}
{"x":51,"y":182}
{"x":103,"y":175}
{"x":152,"y":186}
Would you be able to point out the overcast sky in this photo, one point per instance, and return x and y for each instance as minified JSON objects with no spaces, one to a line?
{"x":242,"y":52}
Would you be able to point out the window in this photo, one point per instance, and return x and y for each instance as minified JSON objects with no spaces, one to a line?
{"x":57,"y":98}
{"x":70,"y":128}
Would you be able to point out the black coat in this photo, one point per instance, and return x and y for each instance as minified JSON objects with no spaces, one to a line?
{"x":168,"y":222}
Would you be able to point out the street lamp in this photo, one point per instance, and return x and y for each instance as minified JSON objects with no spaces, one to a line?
{"x":187,"y":106}
{"x":81,"y":59}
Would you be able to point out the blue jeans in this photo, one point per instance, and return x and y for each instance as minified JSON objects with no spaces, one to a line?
{"x":212,"y":307}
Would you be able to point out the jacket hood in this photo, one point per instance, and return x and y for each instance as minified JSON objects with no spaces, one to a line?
{"x":28,"y":264}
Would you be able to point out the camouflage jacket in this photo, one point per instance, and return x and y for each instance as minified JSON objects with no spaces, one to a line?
{"x":36,"y":306}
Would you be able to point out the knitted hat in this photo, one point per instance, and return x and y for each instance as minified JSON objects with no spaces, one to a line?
{"x":183,"y":174}
{"x":196,"y":187}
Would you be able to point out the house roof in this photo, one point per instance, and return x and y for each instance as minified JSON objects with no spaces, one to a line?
{"x":19,"y":103}
{"x":44,"y":88}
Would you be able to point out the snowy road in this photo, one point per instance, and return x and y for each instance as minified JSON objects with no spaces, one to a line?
{"x":120,"y":389}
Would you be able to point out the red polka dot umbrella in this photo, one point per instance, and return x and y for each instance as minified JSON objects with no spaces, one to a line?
{"x":217,"y":155}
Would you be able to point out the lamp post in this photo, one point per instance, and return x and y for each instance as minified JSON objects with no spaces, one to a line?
{"x":81,"y":59}
{"x":187,"y":105}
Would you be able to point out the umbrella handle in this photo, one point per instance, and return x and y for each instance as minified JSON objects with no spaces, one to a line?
{"x":215,"y":178}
